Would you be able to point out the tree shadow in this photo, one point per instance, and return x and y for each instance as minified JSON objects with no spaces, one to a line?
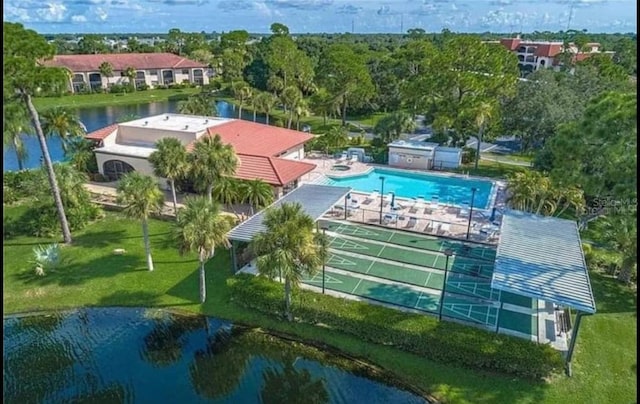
{"x":74,"y":272}
{"x":102,"y":238}
{"x":188,"y":288}
{"x":128,"y":298}
{"x":611,"y":295}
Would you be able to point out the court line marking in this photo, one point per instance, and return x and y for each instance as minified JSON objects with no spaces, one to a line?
{"x":415,"y":306}
{"x":426,"y":282}
{"x":353,"y":292}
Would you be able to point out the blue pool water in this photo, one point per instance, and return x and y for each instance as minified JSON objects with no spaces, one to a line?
{"x":405,"y":184}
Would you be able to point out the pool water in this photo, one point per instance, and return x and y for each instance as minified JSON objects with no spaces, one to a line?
{"x":406,"y":184}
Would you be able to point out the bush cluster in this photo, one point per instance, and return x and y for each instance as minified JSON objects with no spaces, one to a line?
{"x":17,"y":185}
{"x":441,"y":341}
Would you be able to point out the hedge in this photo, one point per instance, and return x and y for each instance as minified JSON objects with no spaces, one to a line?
{"x":441,"y":341}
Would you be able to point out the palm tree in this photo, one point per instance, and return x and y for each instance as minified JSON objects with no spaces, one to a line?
{"x":15,"y":123}
{"x":211,"y":160}
{"x":287,"y":248}
{"x":106,"y":70}
{"x":393,"y":125}
{"x":290,"y":97}
{"x":573,"y":198}
{"x":301,"y":109}
{"x":24,"y":75}
{"x":83,"y":157}
{"x":335,"y":138}
{"x":622,"y":233}
{"x":322,"y":103}
{"x":63,"y":122}
{"x":198,"y":104}
{"x":227,"y":191}
{"x":201,"y":228}
{"x":169,"y":161}
{"x":241,"y":92}
{"x":267,"y":103}
{"x":483,"y":115}
{"x":141,"y":197}
{"x":257,"y":193}
{"x":131,"y":73}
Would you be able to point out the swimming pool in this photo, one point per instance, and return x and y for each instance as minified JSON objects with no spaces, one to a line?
{"x":407,"y":184}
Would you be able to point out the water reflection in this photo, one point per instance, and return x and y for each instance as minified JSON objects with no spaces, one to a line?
{"x":130,"y":355}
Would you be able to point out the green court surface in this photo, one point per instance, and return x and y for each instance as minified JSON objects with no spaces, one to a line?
{"x":408,"y":239}
{"x":430,"y":279}
{"x":393,"y":294}
{"x":404,"y":263}
{"x":524,"y":323}
{"x":518,"y":300}
{"x":434,"y":260}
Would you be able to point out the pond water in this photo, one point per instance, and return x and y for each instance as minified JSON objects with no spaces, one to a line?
{"x":98,"y":117}
{"x":151,"y":356}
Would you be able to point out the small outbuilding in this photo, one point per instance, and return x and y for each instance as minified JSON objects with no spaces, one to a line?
{"x":419,"y":155}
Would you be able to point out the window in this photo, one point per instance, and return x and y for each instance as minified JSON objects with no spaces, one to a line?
{"x":153,"y":72}
{"x":115,"y":169}
{"x":185,"y":71}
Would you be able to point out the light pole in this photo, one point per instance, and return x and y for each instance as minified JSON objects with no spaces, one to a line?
{"x":448,"y":253}
{"x":473,"y":194}
{"x":381,"y":197}
{"x":324,"y":259}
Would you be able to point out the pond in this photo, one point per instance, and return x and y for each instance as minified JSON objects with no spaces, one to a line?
{"x":98,"y":117}
{"x":137,"y":355}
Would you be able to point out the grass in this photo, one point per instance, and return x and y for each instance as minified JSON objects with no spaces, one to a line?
{"x":97,"y":99}
{"x":491,"y":169}
{"x":604,"y":362}
{"x":515,"y":157}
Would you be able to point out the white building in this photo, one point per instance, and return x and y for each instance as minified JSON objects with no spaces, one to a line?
{"x":264,"y":152}
{"x":419,"y":155}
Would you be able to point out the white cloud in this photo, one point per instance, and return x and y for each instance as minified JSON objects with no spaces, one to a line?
{"x":52,"y":12}
{"x":101,"y":14}
{"x":78,"y":18}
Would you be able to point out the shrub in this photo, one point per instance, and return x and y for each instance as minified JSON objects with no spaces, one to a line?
{"x":468,"y":155}
{"x":18,"y":184}
{"x":445,"y":342}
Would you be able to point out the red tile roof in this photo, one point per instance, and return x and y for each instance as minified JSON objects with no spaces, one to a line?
{"x":272,"y":170}
{"x":258,"y":139}
{"x":548,"y":50}
{"x":510,"y":43}
{"x":120,"y":61}
{"x":102,"y":133}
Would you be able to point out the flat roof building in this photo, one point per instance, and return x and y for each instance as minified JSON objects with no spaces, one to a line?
{"x":264,"y":152}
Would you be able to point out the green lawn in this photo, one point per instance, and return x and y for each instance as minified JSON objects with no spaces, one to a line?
{"x":491,"y":169}
{"x":97,"y":99}
{"x":604,"y":365}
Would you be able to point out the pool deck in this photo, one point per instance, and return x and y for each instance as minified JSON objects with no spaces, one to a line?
{"x":411,"y":215}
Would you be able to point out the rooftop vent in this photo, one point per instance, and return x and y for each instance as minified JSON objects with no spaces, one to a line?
{"x":146,"y":123}
{"x":186,"y":127}
{"x":206,"y":121}
{"x":166,"y":118}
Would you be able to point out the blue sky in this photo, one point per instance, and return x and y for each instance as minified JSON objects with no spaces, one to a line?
{"x":301,"y":16}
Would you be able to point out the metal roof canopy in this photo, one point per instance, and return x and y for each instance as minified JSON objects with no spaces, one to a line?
{"x":316,"y":200}
{"x":541,"y":257}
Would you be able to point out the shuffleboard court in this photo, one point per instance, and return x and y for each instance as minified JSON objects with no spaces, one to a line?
{"x":387,"y":293}
{"x":431,"y":279}
{"x":411,"y":256}
{"x":407,"y":271}
{"x":409,"y":239}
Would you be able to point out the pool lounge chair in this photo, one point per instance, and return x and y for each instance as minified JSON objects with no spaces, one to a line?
{"x":389,"y":218}
{"x":372,"y":197}
{"x":353,"y":159}
{"x":411,"y":223}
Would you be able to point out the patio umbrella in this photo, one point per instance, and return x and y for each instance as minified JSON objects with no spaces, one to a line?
{"x":493,"y":215}
{"x":393,"y":200}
